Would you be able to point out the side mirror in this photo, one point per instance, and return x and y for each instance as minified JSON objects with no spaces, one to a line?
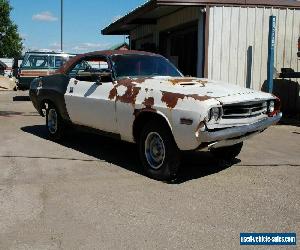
{"x":96,"y":78}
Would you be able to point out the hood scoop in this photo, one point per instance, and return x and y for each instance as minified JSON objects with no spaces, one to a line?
{"x":187,"y":83}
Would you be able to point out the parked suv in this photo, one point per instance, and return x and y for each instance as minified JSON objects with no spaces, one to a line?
{"x":39,"y":64}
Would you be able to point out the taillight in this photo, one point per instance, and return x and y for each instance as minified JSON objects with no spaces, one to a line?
{"x":18,"y":73}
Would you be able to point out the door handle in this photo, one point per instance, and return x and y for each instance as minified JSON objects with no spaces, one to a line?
{"x":75,"y":82}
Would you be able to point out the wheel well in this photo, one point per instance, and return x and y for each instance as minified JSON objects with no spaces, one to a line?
{"x":142,"y":119}
{"x":44,"y":103}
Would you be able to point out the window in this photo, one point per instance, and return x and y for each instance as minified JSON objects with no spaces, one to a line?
{"x":90,"y":69}
{"x":36,"y":61}
{"x":59,"y":61}
{"x":143,"y":65}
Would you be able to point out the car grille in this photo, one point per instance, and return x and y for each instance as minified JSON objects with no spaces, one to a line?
{"x":244,"y":110}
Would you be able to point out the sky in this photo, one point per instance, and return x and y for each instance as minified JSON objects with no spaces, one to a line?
{"x":39,"y":23}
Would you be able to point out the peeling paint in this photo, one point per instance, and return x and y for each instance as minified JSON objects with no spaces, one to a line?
{"x":112,"y":94}
{"x":188,"y":81}
{"x":149,"y":102}
{"x":130,"y":94}
{"x":171,"y":99}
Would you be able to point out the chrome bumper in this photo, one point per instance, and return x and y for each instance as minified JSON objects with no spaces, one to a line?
{"x":234,"y":134}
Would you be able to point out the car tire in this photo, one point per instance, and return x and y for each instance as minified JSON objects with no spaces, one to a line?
{"x":54,"y":123}
{"x":159,"y":153}
{"x":228,"y":153}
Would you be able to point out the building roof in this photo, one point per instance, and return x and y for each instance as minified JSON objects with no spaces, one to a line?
{"x":149,"y":12}
{"x":119,"y":45}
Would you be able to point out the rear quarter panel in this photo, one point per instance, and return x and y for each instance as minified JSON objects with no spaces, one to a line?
{"x":51,"y":88}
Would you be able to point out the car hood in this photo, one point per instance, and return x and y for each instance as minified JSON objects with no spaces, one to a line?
{"x":221,"y":91}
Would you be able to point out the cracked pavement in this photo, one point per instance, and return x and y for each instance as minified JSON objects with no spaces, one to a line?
{"x":88,"y":193}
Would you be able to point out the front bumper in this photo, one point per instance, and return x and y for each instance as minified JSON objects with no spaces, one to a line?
{"x":234,"y":135}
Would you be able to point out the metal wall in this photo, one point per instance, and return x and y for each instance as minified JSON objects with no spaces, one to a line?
{"x":238,"y":43}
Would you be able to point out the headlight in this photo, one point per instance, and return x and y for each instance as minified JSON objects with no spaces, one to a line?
{"x":265,"y":107}
{"x":271,"y":107}
{"x":215,"y":114}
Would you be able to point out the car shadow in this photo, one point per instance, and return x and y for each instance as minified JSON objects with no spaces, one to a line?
{"x":195,"y":165}
{"x":15,"y":113}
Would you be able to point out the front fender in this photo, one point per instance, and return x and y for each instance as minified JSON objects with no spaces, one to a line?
{"x":186,"y":119}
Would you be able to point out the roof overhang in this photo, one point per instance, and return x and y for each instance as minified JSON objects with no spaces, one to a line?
{"x":152,"y":10}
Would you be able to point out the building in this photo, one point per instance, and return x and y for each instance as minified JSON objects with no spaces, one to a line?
{"x":2,"y":68}
{"x":223,"y":40}
{"x":120,"y":46}
{"x":8,"y":71}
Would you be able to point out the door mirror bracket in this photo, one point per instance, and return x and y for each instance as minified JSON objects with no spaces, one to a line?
{"x":98,"y":81}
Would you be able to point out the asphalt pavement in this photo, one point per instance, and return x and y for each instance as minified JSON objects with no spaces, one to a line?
{"x":88,"y":192}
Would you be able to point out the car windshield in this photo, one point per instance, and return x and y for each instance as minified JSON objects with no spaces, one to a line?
{"x":44,"y":61}
{"x":143,"y":66}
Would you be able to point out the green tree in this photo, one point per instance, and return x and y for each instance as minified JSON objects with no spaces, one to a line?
{"x":10,"y":40}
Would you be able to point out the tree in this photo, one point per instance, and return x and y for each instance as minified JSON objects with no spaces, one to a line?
{"x":10,"y":41}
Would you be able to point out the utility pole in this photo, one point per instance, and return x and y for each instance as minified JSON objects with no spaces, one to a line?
{"x":61,"y":24}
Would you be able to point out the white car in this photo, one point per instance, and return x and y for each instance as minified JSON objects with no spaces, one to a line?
{"x":141,"y":97}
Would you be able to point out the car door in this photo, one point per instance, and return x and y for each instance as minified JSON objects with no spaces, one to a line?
{"x":88,"y":104}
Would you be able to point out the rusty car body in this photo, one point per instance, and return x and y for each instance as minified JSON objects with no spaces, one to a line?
{"x":141,"y":97}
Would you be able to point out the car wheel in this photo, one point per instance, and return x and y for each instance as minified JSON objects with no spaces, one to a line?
{"x":158,"y":152}
{"x":54,"y":123}
{"x":228,"y":153}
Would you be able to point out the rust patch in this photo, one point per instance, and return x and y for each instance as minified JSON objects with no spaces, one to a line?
{"x":199,"y":98}
{"x":141,"y":79}
{"x":171,"y":99}
{"x":149,"y":102}
{"x":180,"y":80}
{"x":124,"y":82}
{"x":130,"y":93}
{"x":187,"y":80}
{"x":112,"y":93}
{"x":202,"y":82}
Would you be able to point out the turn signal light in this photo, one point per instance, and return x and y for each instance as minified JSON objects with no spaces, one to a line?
{"x":274,"y":107}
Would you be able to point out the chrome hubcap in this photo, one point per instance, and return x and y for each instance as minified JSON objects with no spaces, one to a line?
{"x":155,"y":150}
{"x":52,"y":121}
